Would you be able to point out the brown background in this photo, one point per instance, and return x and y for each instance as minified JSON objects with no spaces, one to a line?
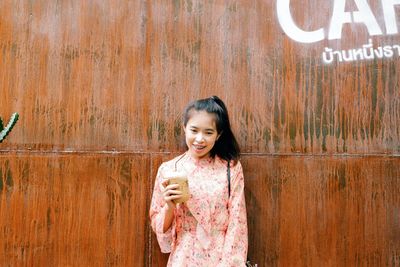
{"x":100,"y":86}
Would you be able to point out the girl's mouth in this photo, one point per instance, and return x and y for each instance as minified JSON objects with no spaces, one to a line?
{"x":198,"y":147}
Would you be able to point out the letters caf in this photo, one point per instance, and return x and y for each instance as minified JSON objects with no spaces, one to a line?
{"x":340,"y":17}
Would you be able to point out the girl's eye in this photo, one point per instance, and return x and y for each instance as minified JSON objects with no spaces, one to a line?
{"x":194,"y":131}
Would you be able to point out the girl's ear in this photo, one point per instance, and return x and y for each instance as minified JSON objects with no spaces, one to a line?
{"x":219,"y":135}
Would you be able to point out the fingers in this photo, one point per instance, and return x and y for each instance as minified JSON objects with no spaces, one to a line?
{"x":172,"y":197}
{"x":165,"y":183}
{"x":170,"y":191}
{"x":164,"y":186}
{"x":172,"y":194}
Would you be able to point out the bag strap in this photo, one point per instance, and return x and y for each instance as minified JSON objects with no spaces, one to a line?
{"x":229,"y":178}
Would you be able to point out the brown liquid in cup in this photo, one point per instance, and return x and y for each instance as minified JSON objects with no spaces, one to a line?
{"x":183,"y":186}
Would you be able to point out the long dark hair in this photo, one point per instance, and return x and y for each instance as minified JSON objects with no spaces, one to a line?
{"x":226,"y":147}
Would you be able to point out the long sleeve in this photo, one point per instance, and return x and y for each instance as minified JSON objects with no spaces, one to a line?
{"x":157,"y":214}
{"x":236,"y":239}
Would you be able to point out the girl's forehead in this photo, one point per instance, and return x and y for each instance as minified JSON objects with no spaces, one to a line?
{"x":202,"y":118}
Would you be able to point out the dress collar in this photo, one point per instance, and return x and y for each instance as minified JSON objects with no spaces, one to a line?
{"x":197,"y":161}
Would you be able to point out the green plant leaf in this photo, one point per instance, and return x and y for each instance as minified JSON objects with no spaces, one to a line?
{"x":6,"y":130}
{"x":1,"y":125}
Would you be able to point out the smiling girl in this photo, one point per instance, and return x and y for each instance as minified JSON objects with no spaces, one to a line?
{"x":210,"y":228}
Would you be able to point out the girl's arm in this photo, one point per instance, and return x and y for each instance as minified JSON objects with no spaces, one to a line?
{"x":236,"y":238}
{"x":169,"y":193}
{"x":162,"y":212}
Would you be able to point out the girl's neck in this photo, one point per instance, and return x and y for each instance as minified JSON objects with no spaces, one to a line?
{"x":206,"y":158}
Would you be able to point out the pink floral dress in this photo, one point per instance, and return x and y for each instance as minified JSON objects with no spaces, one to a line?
{"x":210,"y":229}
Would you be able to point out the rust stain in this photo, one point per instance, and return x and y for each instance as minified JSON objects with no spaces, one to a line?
{"x":133,"y":68}
{"x":71,"y":211}
{"x":326,"y":211}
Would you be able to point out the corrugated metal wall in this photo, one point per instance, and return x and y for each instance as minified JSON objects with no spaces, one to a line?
{"x":100,"y":86}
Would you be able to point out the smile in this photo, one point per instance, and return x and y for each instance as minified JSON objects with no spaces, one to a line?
{"x":198,"y":147}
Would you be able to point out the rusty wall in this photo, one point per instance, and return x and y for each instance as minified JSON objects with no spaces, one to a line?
{"x":100,"y":86}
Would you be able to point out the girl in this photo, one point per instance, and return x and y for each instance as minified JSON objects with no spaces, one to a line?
{"x":210,"y":228}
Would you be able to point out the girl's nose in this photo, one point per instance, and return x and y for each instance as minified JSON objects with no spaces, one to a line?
{"x":199,"y":138}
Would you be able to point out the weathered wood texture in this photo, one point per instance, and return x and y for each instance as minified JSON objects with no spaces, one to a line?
{"x":96,"y":75}
{"x":324,"y":211}
{"x":91,"y":210}
{"x":74,"y":210}
{"x":100,"y":86}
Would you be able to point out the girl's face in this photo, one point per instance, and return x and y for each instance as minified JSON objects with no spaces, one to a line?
{"x":201,"y":134}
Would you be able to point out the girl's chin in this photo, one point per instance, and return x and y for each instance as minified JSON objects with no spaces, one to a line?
{"x":199,"y":154}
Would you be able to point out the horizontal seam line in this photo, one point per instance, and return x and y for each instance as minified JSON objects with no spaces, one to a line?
{"x":112,"y":152}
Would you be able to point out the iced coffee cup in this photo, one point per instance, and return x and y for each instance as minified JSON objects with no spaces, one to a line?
{"x":180,"y":178}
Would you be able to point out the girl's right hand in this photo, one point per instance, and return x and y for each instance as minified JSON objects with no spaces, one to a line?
{"x":170,"y":193}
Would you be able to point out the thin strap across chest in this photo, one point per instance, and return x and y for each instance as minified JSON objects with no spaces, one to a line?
{"x":229,"y":178}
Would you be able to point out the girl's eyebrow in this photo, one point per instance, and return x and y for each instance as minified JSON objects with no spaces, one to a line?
{"x":196,"y":128}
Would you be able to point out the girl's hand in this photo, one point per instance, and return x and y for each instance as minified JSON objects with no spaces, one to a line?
{"x":170,"y":193}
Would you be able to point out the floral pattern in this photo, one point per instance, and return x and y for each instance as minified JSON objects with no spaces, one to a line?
{"x":210,"y":229}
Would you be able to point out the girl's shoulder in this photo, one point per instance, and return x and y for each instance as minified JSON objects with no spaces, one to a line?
{"x":233,"y":164}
